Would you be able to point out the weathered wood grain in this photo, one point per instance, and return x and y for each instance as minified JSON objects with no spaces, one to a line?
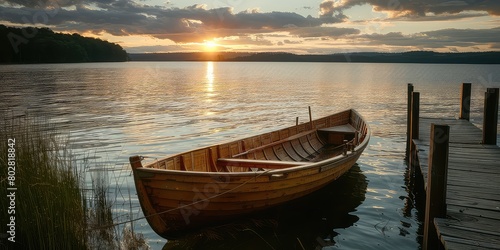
{"x":473,"y":186}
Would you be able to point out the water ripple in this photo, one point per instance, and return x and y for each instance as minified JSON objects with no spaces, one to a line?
{"x":112,"y":111}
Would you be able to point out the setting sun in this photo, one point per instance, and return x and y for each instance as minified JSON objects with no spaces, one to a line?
{"x":210,"y":45}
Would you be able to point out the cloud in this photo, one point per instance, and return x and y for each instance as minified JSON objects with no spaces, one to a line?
{"x":437,"y":39}
{"x":466,"y":37}
{"x":156,"y":48}
{"x":328,"y":10}
{"x":418,"y":8}
{"x":442,"y":17}
{"x":41,"y":4}
{"x":247,"y":40}
{"x":332,"y":32}
{"x":124,"y":17}
{"x":287,"y":41}
{"x":196,"y":23}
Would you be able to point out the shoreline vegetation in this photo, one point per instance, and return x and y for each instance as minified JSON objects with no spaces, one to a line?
{"x":490,"y":57}
{"x":51,"y":204}
{"x":41,"y":45}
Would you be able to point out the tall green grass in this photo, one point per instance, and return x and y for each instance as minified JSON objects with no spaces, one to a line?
{"x":49,"y":209}
{"x":53,"y":209}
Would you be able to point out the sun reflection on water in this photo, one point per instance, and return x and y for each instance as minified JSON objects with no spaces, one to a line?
{"x":209,"y":76}
{"x":157,"y":109}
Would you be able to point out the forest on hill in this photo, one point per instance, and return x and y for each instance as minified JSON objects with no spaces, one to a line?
{"x":489,"y":57}
{"x":42,"y":45}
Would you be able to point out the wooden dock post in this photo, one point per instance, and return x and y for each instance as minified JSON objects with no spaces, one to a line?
{"x":469,"y":217}
{"x":490,"y":119}
{"x":465,"y":97}
{"x":414,"y":129}
{"x":408,"y":120}
{"x":435,"y":205}
{"x":415,"y":115}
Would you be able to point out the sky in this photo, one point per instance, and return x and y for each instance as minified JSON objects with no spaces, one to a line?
{"x":296,"y":26}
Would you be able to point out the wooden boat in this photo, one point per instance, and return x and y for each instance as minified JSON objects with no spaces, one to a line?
{"x":219,"y":182}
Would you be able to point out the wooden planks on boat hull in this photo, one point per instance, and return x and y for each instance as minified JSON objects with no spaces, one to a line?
{"x":267,"y":182}
{"x":227,"y":206}
{"x":243,"y":176}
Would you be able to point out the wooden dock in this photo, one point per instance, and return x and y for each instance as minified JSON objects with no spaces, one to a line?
{"x":461,"y":176}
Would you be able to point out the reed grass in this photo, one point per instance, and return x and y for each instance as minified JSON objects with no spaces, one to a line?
{"x":53,"y":208}
{"x":99,"y":216}
{"x":49,"y":209}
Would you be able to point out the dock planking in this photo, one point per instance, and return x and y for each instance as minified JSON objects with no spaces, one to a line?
{"x":473,"y":186}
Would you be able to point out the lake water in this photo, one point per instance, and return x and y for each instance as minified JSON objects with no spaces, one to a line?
{"x":114,"y":110}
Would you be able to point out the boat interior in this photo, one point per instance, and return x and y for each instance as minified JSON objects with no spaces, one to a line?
{"x":293,"y":146}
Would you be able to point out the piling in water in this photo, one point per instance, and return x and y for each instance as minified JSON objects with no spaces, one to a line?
{"x":490,"y":121}
{"x":408,"y":119}
{"x":465,"y":98}
{"x":435,"y":204}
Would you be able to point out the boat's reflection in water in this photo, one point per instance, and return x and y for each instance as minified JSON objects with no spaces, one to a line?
{"x":306,"y":223}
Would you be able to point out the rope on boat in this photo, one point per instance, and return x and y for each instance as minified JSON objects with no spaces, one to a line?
{"x":180,"y":207}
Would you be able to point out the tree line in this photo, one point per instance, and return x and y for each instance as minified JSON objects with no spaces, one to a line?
{"x":488,"y":57}
{"x":42,"y":45}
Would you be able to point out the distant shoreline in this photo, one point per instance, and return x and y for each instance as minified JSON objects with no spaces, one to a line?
{"x":355,"y":57}
{"x":424,"y":57}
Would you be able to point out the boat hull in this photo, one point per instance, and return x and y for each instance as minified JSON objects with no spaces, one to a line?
{"x":174,"y":201}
